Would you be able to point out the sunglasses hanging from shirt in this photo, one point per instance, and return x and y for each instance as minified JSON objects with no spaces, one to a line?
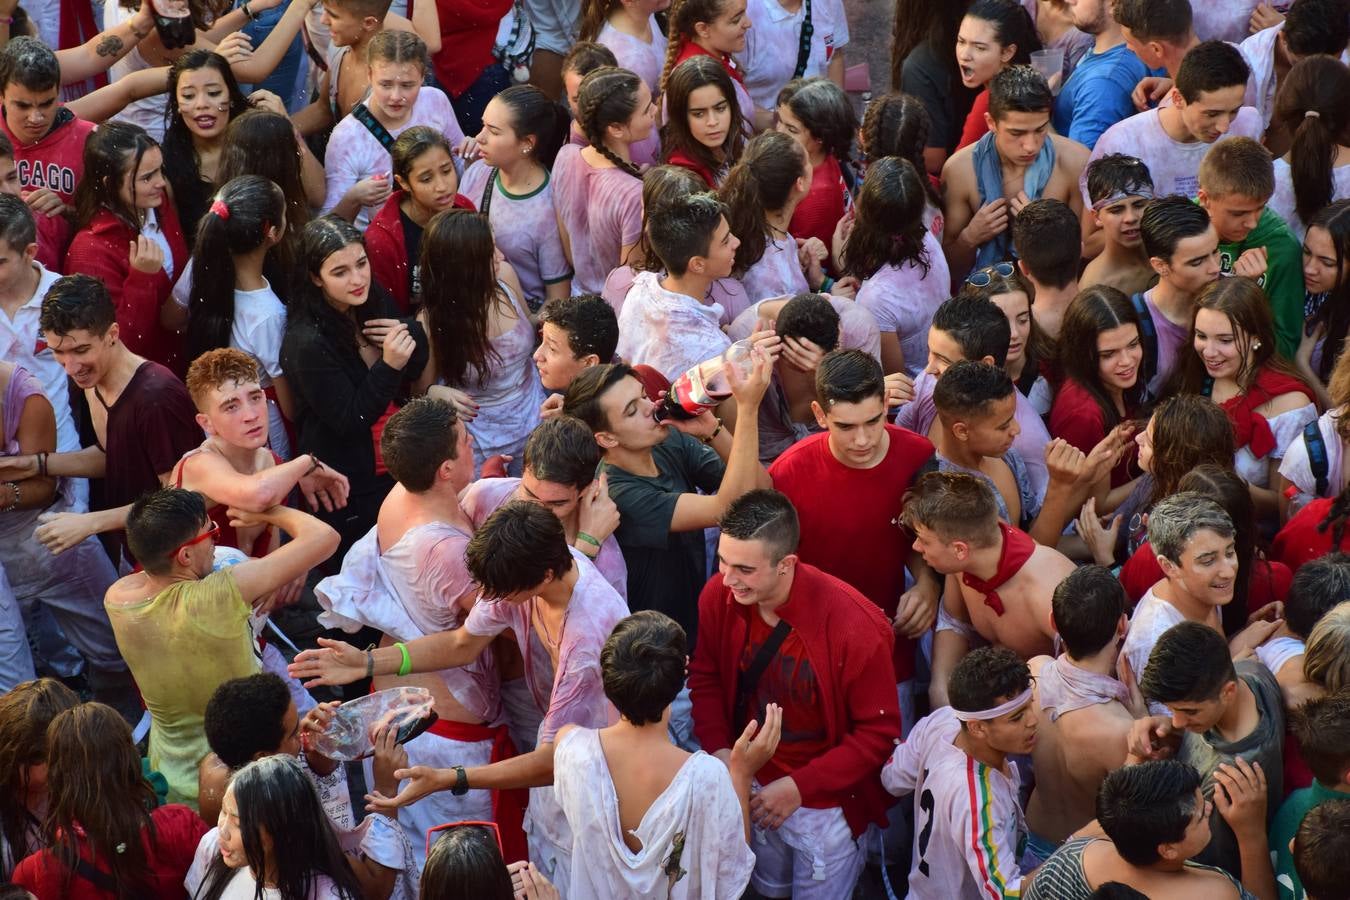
{"x":804,"y":45}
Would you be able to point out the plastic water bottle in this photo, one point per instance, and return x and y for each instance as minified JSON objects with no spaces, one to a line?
{"x":351,"y":733}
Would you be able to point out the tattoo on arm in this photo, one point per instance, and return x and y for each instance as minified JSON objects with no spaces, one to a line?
{"x":109,"y":46}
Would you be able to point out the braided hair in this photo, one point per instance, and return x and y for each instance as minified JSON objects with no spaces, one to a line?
{"x":681,"y":19}
{"x":897,"y":125}
{"x":608,"y":96}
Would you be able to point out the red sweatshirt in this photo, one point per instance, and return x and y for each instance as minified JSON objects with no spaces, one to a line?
{"x":56,"y":162}
{"x":387,"y":248}
{"x":848,"y":642}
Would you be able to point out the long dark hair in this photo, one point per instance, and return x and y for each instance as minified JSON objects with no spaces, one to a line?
{"x":1335,"y":310}
{"x":95,"y":787}
{"x":1012,"y":26}
{"x":920,"y":21}
{"x":182,"y":166}
{"x":111,"y":154}
{"x":412,"y":144}
{"x":888,"y":227}
{"x":322,"y":238}
{"x":466,"y":862}
{"x":533,"y":113}
{"x":662,"y":186}
{"x":259,"y":143}
{"x":898,"y":125}
{"x":1095,"y":310}
{"x":250,"y":205}
{"x":25,"y":712}
{"x":459,"y":290}
{"x":1226,"y":487}
{"x":1313,"y":105}
{"x":1189,"y":431}
{"x":825,"y":110}
{"x":608,"y":96}
{"x":760,"y":183}
{"x":275,"y":797}
{"x":690,"y":75}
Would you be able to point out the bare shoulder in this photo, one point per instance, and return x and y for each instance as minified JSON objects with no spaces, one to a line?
{"x":1069,"y":154}
{"x":1048,"y":564}
{"x":1284,"y":403}
{"x":958,"y":173}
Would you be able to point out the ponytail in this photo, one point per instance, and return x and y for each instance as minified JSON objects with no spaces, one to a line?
{"x":1314,"y":106}
{"x":593,"y":16}
{"x":608,"y":96}
{"x":757,"y":185}
{"x":533,"y":113}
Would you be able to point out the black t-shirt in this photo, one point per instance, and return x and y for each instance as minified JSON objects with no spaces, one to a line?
{"x":947,"y":101}
{"x":412,"y":241}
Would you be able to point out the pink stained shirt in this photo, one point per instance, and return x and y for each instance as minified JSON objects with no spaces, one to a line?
{"x":668,"y":331}
{"x":778,"y":272}
{"x":524,"y":228}
{"x":904,"y":298}
{"x":601,"y":211}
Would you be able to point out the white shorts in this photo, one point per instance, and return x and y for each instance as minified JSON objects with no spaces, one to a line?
{"x":811,"y":856}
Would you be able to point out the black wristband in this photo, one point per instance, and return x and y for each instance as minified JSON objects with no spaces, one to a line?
{"x":461,"y":782}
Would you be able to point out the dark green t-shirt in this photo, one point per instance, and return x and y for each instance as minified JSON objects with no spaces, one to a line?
{"x":1283,"y":281}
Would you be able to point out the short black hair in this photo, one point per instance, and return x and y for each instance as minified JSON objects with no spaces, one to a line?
{"x":418,"y":439}
{"x":1313,"y":27}
{"x":809,"y":316}
{"x":968,"y":387}
{"x":1140,"y":807}
{"x":684,"y":229}
{"x":1019,"y":89}
{"x":159,"y":522}
{"x":977,"y":326}
{"x":1169,"y":220}
{"x":763,"y":515}
{"x":561,"y":449}
{"x":18,"y":228}
{"x":29,"y":63}
{"x":850,"y":376}
{"x":77,"y":303}
{"x":642,"y":665}
{"x":1117,"y":173}
{"x":1190,"y":663}
{"x":1154,"y":20}
{"x":1322,"y":851}
{"x":517,"y":548}
{"x":1117,"y":890}
{"x":1318,"y":585}
{"x":1211,"y":66}
{"x":1322,"y":728}
{"x":244,"y":718}
{"x":1087,"y":606}
{"x":584,"y":394}
{"x":986,"y":677}
{"x":589,"y":322}
{"x":1048,"y":240}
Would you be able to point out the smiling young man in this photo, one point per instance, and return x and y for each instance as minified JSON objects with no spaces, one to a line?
{"x":1119,"y":188}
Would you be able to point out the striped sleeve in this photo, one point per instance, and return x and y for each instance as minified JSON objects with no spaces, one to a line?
{"x":993,"y":866}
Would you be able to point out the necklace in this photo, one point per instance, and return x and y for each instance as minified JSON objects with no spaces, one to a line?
{"x":543,"y":626}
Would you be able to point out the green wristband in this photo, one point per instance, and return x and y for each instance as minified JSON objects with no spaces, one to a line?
{"x":405,"y":668}
{"x":583,"y":536}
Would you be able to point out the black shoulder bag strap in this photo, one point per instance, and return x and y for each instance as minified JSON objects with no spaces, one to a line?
{"x":804,"y":45}
{"x":367,"y":118}
{"x":101,"y":880}
{"x":749,"y":679}
{"x":485,"y":203}
{"x":1317,"y":456}
{"x":1148,"y":335}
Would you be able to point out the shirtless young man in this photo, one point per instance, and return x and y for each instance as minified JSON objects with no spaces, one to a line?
{"x":1119,"y":187}
{"x":986,"y":184}
{"x":999,"y":580}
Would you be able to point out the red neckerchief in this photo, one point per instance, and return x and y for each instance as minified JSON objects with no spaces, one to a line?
{"x":1250,"y":428}
{"x":1017,"y":549}
{"x":689,"y":49}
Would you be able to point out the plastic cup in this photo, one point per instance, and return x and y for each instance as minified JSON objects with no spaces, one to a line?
{"x":1050,"y":63}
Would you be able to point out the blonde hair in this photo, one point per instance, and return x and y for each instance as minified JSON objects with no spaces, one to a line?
{"x":1326,"y":658}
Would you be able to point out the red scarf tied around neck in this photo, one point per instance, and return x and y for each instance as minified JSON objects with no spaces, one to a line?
{"x":1250,"y":428}
{"x":1017,"y":549}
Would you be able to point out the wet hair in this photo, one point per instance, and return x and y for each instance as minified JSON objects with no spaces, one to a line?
{"x":1117,"y":173}
{"x":275,"y":797}
{"x":1189,"y":431}
{"x":1211,"y":66}
{"x":681,"y":19}
{"x":25,"y":712}
{"x":896,"y":124}
{"x":159,"y":522}
{"x":322,"y":238}
{"x":684,"y":230}
{"x":518,"y":546}
{"x":1190,"y":663}
{"x":249,"y":206}
{"x":763,"y":515}
{"x":1318,"y":585}
{"x":956,"y":506}
{"x":412,"y":144}
{"x":561,"y":449}
{"x":395,"y":47}
{"x":466,"y":861}
{"x":589,"y":323}
{"x":245,"y":718}
{"x":642,"y":665}
{"x":112,"y":155}
{"x":811,"y":317}
{"x":1012,"y":26}
{"x":1019,"y":89}
{"x":694,"y":73}
{"x":1237,"y":166}
{"x":374,"y":9}
{"x":967,"y":389}
{"x":1317,"y":27}
{"x":459,"y":293}
{"x":1334,"y":368}
{"x":848,"y":376}
{"x":760,"y":183}
{"x":1322,"y":727}
{"x":1326,"y":657}
{"x":1047,"y":238}
{"x":1313,"y":105}
{"x":587,"y":56}
{"x":1175,"y":519}
{"x":1154,"y":20}
{"x":533,"y":114}
{"x":218,"y":367}
{"x":18,"y":228}
{"x":77,"y":303}
{"x":182,"y":167}
{"x":663,"y":187}
{"x":1230,"y":491}
{"x":584,"y":394}
{"x":1087,"y":606}
{"x":1167,"y":221}
{"x":418,"y":439}
{"x":1321,"y":849}
{"x":251,"y":143}
{"x":1095,"y":311}
{"x":607,"y":96}
{"x":977,"y":326}
{"x":1145,"y":805}
{"x":824,"y":109}
{"x":888,"y":228}
{"x":924,"y":22}
{"x":29,"y":63}
{"x":986,"y":677}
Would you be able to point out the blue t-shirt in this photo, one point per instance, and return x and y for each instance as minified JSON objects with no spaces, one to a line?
{"x":1097,"y":94}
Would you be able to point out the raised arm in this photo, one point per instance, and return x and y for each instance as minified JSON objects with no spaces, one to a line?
{"x":111,"y":99}
{"x":105,"y":48}
{"x":311,"y":542}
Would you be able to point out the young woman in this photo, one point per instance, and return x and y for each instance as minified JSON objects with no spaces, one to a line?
{"x":1326,"y":274}
{"x":924,"y":66}
{"x":817,"y":114}
{"x":347,"y":362}
{"x":25,"y":712}
{"x":597,"y":190}
{"x":1100,"y":353}
{"x":424,"y":170}
{"x":704,"y":131}
{"x":791,"y":39}
{"x":897,"y":125}
{"x":273,"y":838}
{"x":122,"y":203}
{"x":629,"y":29}
{"x":713,"y":28}
{"x":511,"y":184}
{"x":232,"y":304}
{"x":993,"y":34}
{"x":1029,"y":348}
{"x":466,"y":861}
{"x":105,"y":836}
{"x":583,"y":59}
{"x":903,"y":274}
{"x":1234,"y":363}
{"x":482,"y":339}
{"x":1313,"y":105}
{"x":357,"y":163}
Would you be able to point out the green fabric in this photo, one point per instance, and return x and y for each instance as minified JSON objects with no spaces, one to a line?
{"x":1285,"y":826}
{"x":158,"y":782}
{"x":1283,"y":281}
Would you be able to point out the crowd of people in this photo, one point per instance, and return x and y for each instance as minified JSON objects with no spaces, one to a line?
{"x":718,"y":480}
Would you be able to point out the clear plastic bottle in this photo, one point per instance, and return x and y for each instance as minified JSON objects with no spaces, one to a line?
{"x":705,"y":385}
{"x":173,"y":21}
{"x":351,"y":733}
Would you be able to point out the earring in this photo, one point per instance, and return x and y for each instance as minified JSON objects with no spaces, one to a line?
{"x":1256,"y":345}
{"x":525,"y":150}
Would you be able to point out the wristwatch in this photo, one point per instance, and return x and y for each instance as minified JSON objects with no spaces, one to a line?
{"x":461,"y":782}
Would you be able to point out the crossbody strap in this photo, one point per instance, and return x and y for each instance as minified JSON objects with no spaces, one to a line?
{"x":748,"y":680}
{"x":804,"y":45}
{"x":485,"y":203}
{"x":367,"y":118}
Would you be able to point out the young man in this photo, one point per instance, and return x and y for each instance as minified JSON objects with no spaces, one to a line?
{"x":1317,"y":587}
{"x":1322,"y":727}
{"x":655,"y":473}
{"x":1220,"y":711}
{"x":1097,"y":94}
{"x":1321,"y":852}
{"x":956,"y":763}
{"x":561,"y":460}
{"x":1160,"y":33}
{"x":184,"y":628}
{"x":1086,"y":711}
{"x":407,"y":577}
{"x":1310,"y":28}
{"x":1182,"y":246}
{"x":1237,"y":178}
{"x":695,"y":820}
{"x":1193,"y":540}
{"x":547,"y":595}
{"x":780,"y":631}
{"x":987,"y":183}
{"x":999,"y":580}
{"x":1048,"y":242}
{"x":665,"y":322}
{"x":1119,"y":187}
{"x":575,"y":333}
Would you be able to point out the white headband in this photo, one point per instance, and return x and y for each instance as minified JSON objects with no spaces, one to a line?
{"x":984,"y":715}
{"x":1137,"y":190}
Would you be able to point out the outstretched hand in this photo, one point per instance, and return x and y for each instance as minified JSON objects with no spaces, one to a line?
{"x":422,"y":780}
{"x":757,"y":745}
{"x":333,"y":663}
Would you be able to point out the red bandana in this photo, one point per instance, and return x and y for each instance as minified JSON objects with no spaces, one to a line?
{"x":1250,"y":428}
{"x":1017,"y":549}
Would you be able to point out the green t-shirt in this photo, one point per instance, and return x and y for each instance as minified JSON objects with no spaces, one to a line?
{"x":1283,"y":281}
{"x":1285,"y":826}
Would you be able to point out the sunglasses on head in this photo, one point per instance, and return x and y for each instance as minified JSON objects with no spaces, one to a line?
{"x":490,"y":826}
{"x":984,"y":276}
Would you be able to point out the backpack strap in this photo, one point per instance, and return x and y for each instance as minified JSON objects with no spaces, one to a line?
{"x":1317,"y":456}
{"x":1148,"y":335}
{"x":362,"y":114}
{"x":749,"y":679}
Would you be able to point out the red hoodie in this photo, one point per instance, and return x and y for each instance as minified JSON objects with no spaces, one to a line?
{"x":102,"y":249}
{"x":848,"y":642}
{"x":56,"y":162}
{"x":388,"y":251}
